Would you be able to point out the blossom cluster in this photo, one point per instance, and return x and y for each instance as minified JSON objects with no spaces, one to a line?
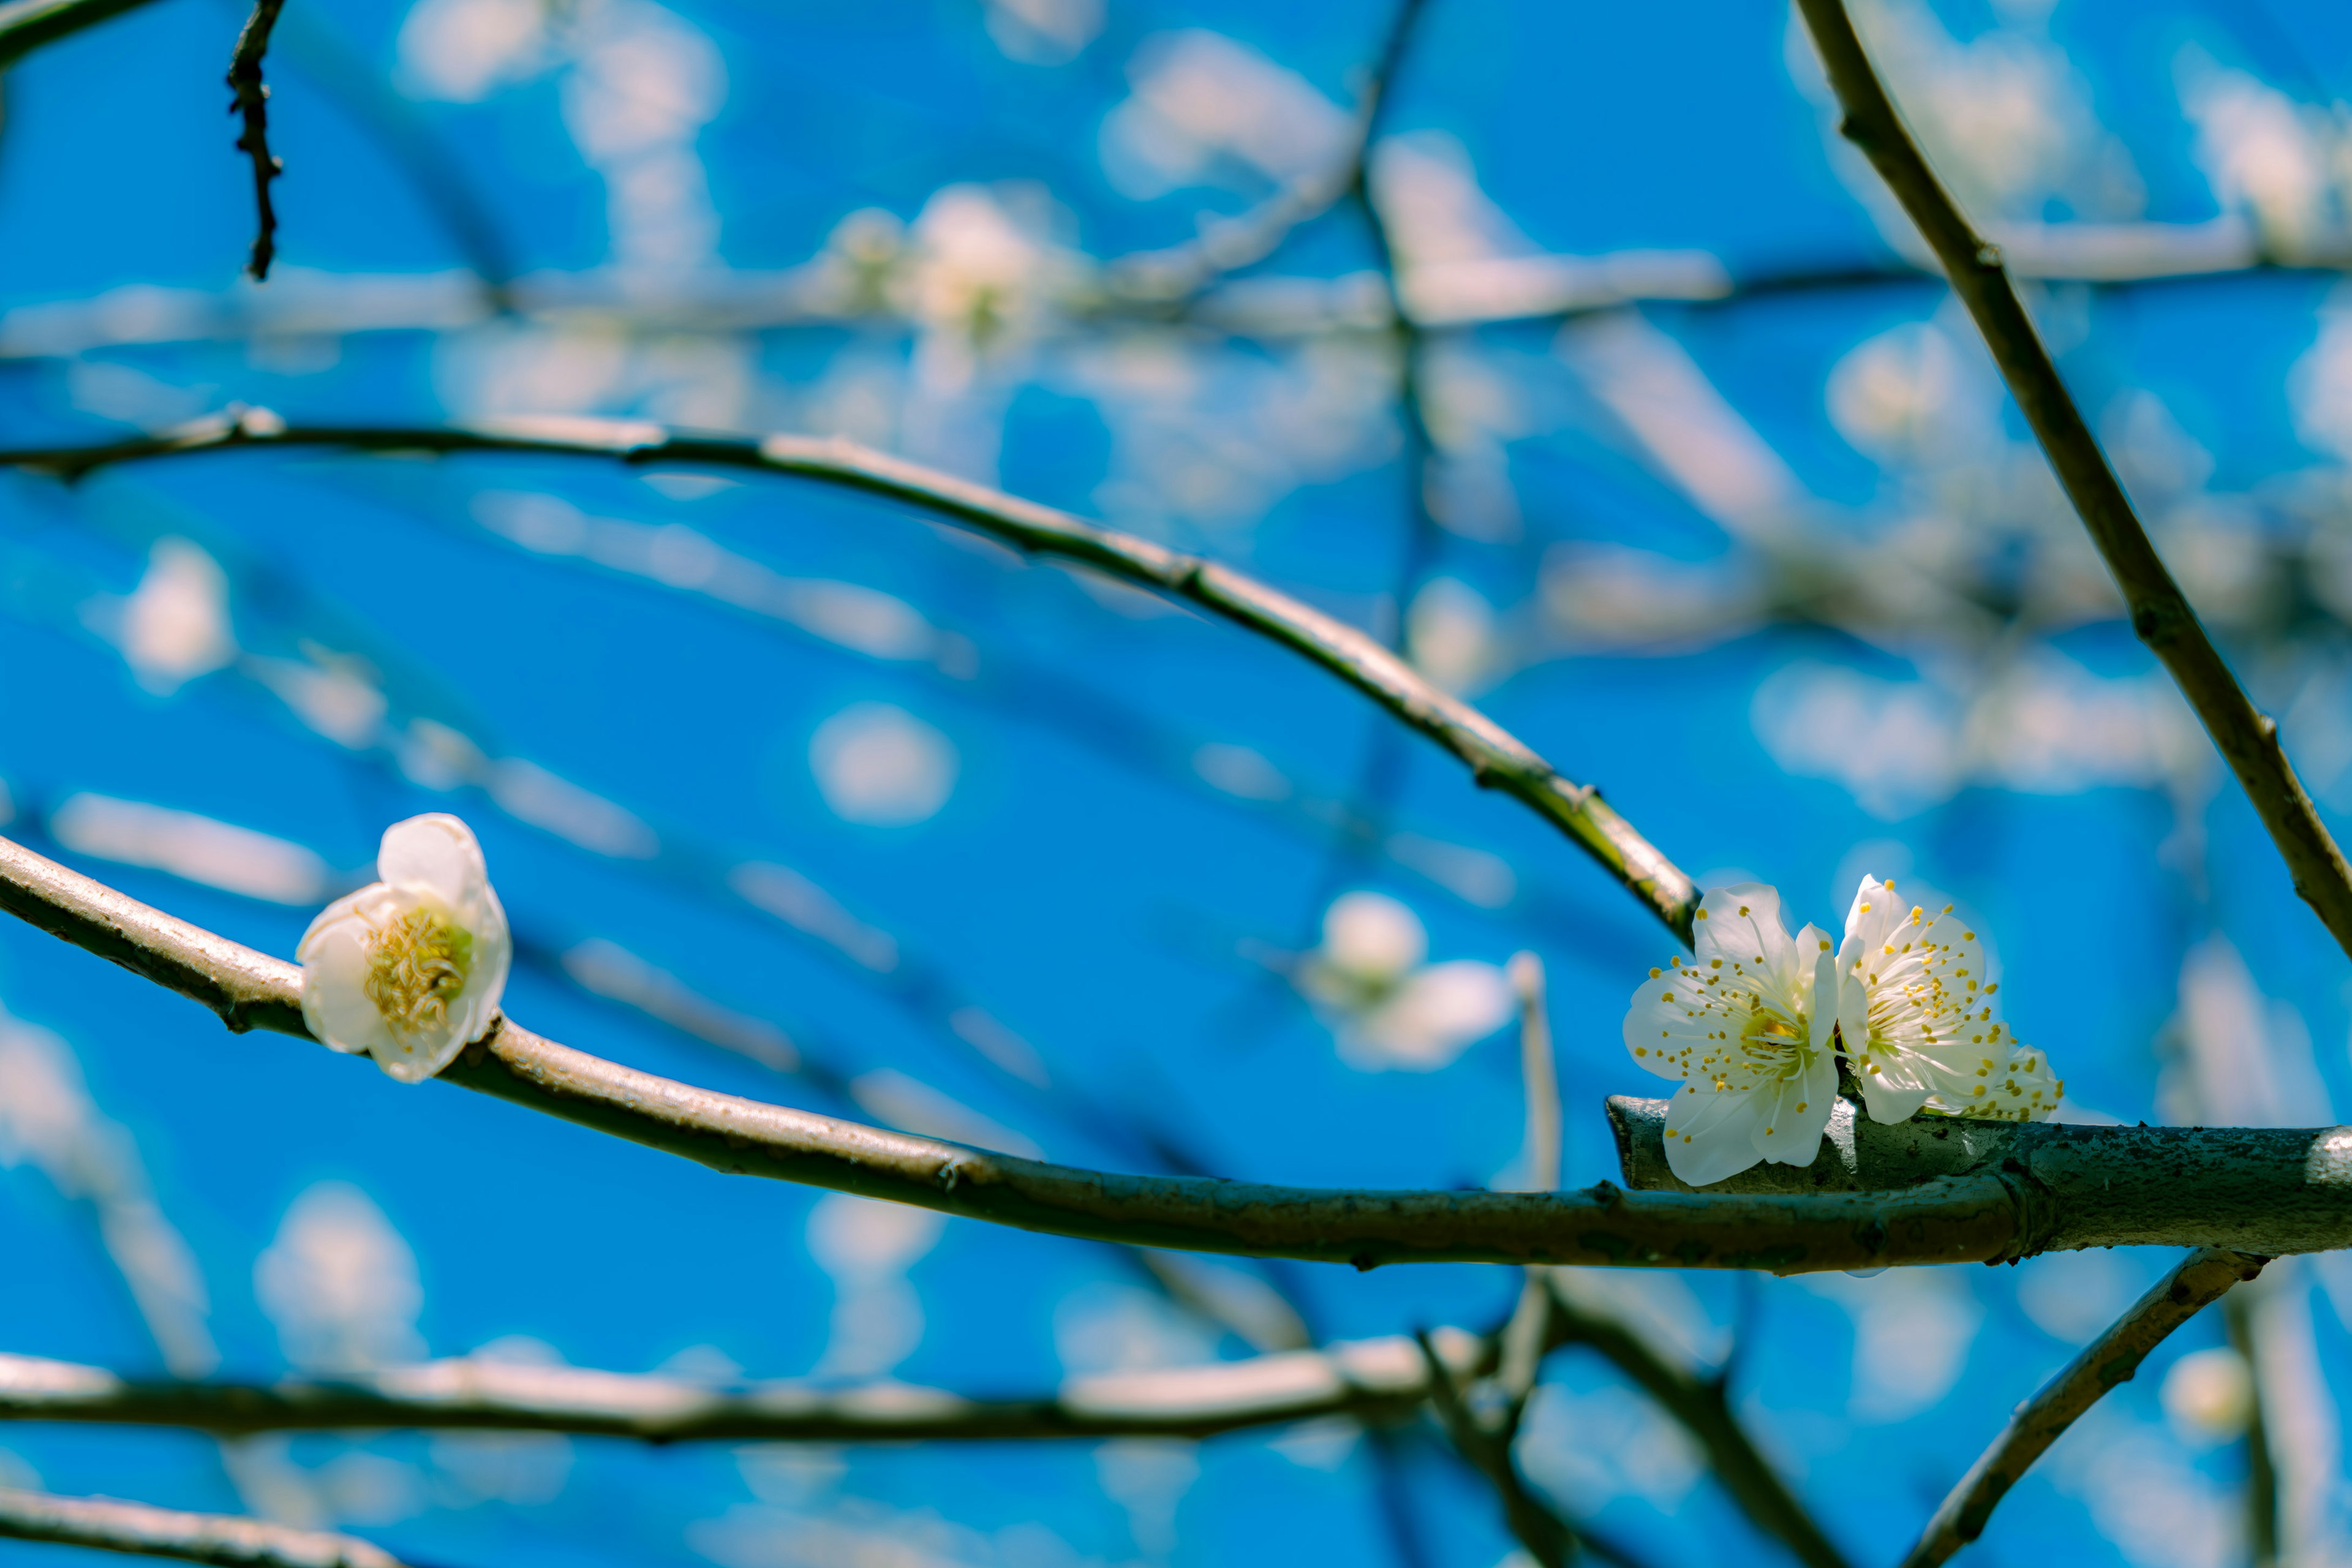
{"x":1756,"y":1024}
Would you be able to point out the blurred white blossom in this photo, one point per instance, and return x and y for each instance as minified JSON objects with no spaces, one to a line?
{"x":867,"y":1246}
{"x":880,"y":766}
{"x":1388,"y":1009}
{"x":341,"y":1283}
{"x":174,"y":625}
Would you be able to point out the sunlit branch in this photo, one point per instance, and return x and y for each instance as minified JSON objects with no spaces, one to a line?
{"x":140,"y":1530}
{"x":1497,"y":759}
{"x":2265,"y":1190}
{"x":2109,"y":1360}
{"x":1699,"y":1404}
{"x":27,"y":25}
{"x":252,"y":105}
{"x":1159,"y":277}
{"x":2160,"y":613}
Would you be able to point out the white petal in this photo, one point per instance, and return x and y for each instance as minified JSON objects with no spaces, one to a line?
{"x":414,"y":1057}
{"x":1888,"y":1104}
{"x":1711,"y":1133}
{"x":1741,"y":925}
{"x":436,"y":853}
{"x":1672,"y":1024}
{"x":1795,"y":1112}
{"x":334,"y":958}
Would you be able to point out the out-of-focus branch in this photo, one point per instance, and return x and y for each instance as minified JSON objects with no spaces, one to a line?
{"x":140,"y":1530}
{"x":2161,"y":614}
{"x":2261,"y":1484}
{"x":1698,"y":1403}
{"x":1174,"y":275}
{"x":1979,"y":1216}
{"x":1529,"y":1332}
{"x":1549,"y":1538}
{"x":27,"y":25}
{"x":2111,"y":1359}
{"x":251,"y":101}
{"x":1370,"y":1381}
{"x":1496,"y":759}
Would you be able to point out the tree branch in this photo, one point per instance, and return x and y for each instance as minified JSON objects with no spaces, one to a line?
{"x":143,"y":1532}
{"x":2088,"y":1186}
{"x":1496,"y":759}
{"x":251,"y":101}
{"x":27,"y":25}
{"x":1549,"y":1538}
{"x":1698,"y":1404}
{"x":1370,"y":1381}
{"x":2111,"y":1359}
{"x":2161,"y":614}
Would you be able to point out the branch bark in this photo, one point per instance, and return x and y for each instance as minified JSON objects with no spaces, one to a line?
{"x":2160,"y":613}
{"x":140,"y":1530}
{"x":1370,"y":1381}
{"x":1496,"y":759}
{"x":251,"y":102}
{"x":2111,"y":1359}
{"x":2293,"y":1189}
{"x":27,"y":25}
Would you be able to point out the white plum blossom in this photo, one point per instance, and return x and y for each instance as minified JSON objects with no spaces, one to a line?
{"x":1916,"y":1018}
{"x":1739,"y":1026}
{"x":410,"y":969}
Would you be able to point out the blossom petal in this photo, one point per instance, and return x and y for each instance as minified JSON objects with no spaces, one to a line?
{"x":436,"y":853}
{"x":1741,"y":925}
{"x":334,"y":954}
{"x":1711,"y":1133}
{"x":1795,"y":1112}
{"x":1679,"y":1023}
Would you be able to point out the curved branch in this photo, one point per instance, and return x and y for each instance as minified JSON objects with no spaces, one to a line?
{"x":27,"y":25}
{"x":2161,"y":614}
{"x":2290,"y":1192}
{"x":2201,"y":1278}
{"x":111,"y":1525}
{"x":1496,"y":759}
{"x":1370,"y":1381}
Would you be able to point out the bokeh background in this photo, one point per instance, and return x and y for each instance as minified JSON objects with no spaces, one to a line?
{"x":1675,"y":462}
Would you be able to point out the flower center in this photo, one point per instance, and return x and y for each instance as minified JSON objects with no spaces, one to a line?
{"x":416,"y":967}
{"x":1771,"y":1042}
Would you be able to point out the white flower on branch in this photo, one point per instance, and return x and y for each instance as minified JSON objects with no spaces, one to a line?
{"x":1915,"y":1017}
{"x":1740,"y":1028}
{"x":410,"y":969}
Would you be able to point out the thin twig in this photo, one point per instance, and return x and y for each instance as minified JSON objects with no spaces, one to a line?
{"x":1170,"y":277}
{"x":135,"y":1528}
{"x":1525,"y":1336}
{"x":251,"y":99}
{"x":1496,"y":759}
{"x":1549,"y":1537}
{"x":1699,"y":1404}
{"x":27,"y":25}
{"x":1370,"y":1381}
{"x":2111,"y":1359}
{"x":1977,"y":1217}
{"x":2160,"y":613}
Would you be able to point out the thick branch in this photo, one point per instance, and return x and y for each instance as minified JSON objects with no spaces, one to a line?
{"x":1370,"y":1381}
{"x":1699,"y":1405}
{"x":1979,"y":1215}
{"x":2161,"y":614}
{"x":2111,"y":1359}
{"x":252,"y":102}
{"x":143,"y":1531}
{"x":27,"y":25}
{"x":1496,"y":759}
{"x":2265,"y":1190}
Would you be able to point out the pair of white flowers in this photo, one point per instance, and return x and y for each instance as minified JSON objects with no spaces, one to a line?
{"x":1755,"y":1024}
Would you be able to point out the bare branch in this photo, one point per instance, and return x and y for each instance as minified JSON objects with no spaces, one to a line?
{"x":1172,"y":275}
{"x":2161,"y":614}
{"x":1496,"y":759}
{"x":251,"y":101}
{"x":1372,"y":1381}
{"x":1699,"y":1405}
{"x":27,"y":25}
{"x":2111,"y":1359}
{"x":143,"y":1532}
{"x":1547,"y":1538}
